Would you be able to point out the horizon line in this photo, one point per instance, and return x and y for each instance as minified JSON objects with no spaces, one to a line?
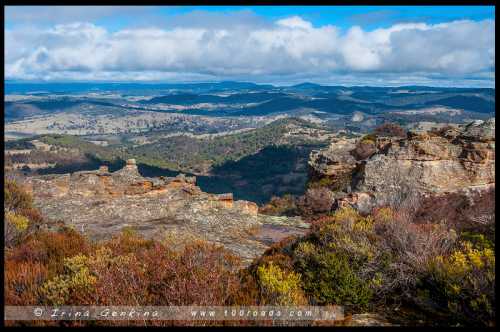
{"x":249,"y":82}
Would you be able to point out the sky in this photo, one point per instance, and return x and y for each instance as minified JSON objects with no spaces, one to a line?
{"x":282,"y":45}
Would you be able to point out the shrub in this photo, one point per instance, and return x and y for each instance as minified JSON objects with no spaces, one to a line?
{"x":478,"y":240}
{"x":464,"y":283}
{"x":316,"y":201}
{"x":16,"y":227}
{"x":73,"y":286}
{"x":338,"y":183}
{"x":332,"y":260}
{"x":390,"y":129}
{"x":128,"y":242}
{"x":383,"y":214}
{"x":325,"y":182}
{"x":410,"y":247}
{"x":19,"y":222}
{"x":280,"y":206}
{"x":176,"y":240}
{"x":346,"y":214}
{"x":279,"y":287}
{"x":20,"y":218}
{"x":121,"y":279}
{"x":202,"y":274}
{"x":248,"y":293}
{"x":386,"y":254}
{"x":329,"y":278}
{"x":50,"y":249}
{"x":473,"y":212}
{"x":22,"y":282}
{"x":368,"y":139}
{"x":15,"y":198}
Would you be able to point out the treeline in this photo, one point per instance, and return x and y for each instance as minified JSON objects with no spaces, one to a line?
{"x":189,"y":153}
{"x":180,"y":153}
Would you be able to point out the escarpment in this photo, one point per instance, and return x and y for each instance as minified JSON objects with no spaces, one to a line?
{"x":436,"y":165}
{"x":101,"y":203}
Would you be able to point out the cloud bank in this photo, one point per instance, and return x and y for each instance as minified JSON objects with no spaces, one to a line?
{"x":289,"y":48}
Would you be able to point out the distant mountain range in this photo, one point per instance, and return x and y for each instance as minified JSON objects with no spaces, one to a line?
{"x":358,"y":107}
{"x":12,"y":87}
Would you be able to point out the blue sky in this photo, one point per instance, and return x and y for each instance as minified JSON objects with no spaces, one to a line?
{"x":271,"y":44}
{"x":367,"y":16}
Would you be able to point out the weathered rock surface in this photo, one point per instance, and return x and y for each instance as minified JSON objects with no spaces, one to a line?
{"x":334,"y":163}
{"x":368,"y":319}
{"x":450,"y":160}
{"x":101,"y":204}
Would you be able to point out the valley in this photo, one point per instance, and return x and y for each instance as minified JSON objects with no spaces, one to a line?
{"x":249,"y":139}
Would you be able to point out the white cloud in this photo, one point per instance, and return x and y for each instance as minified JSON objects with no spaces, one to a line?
{"x":295,"y":22}
{"x":287,"y":48}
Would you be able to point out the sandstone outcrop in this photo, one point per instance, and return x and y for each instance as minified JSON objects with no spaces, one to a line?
{"x":334,"y":164}
{"x":431,"y":164}
{"x":100,"y":204}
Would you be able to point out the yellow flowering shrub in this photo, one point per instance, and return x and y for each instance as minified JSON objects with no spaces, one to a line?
{"x":364,"y":225}
{"x":304,"y":249}
{"x":20,"y":222}
{"x":76,"y":280}
{"x":351,"y":234}
{"x":280,"y":287}
{"x":16,"y":228}
{"x":465,"y":281}
{"x":346,"y":214}
{"x":463,"y":261}
{"x":368,"y":139}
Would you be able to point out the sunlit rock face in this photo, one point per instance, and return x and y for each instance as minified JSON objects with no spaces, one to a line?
{"x":437,"y":162}
{"x":455,"y":160}
{"x":100,"y":204}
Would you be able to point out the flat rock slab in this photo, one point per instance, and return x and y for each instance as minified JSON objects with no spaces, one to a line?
{"x":102,"y":204}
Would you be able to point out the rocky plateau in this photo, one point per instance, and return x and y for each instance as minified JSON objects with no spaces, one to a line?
{"x":101,"y":204}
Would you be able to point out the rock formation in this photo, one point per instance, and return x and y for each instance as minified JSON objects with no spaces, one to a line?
{"x":432,"y":164}
{"x":101,"y":204}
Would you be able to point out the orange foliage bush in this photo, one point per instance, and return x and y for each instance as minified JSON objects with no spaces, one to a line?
{"x":22,"y":281}
{"x":202,"y":274}
{"x":50,"y":248}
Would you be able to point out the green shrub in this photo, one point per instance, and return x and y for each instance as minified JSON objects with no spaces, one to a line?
{"x":478,"y":240}
{"x":323,"y":182}
{"x":338,"y":183}
{"x":330,"y":279}
{"x":280,"y":206}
